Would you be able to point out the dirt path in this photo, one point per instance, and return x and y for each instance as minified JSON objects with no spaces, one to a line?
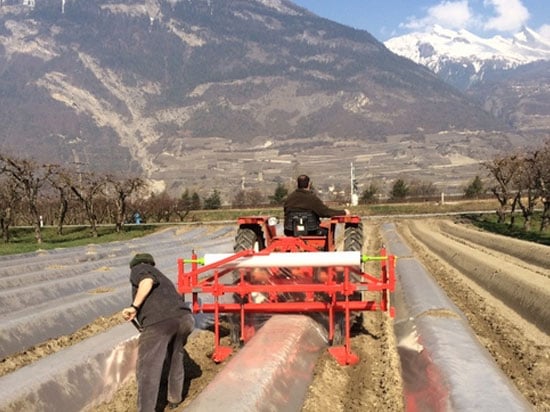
{"x":495,"y":282}
{"x":375,"y":382}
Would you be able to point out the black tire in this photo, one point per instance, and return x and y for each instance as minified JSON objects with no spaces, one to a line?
{"x":353,"y":242}
{"x":248,"y":238}
{"x":353,"y":238}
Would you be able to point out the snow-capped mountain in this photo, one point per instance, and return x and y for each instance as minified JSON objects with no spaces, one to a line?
{"x":464,"y":59}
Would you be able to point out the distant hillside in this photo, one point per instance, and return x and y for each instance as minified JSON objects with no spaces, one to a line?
{"x":521,"y":97}
{"x":145,"y":85}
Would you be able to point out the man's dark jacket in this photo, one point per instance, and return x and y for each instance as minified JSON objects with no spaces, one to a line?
{"x":303,"y":200}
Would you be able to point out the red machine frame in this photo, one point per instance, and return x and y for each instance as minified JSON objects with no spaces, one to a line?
{"x":339,"y":284}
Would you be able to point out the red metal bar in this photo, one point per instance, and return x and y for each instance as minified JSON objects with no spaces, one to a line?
{"x":293,"y":307}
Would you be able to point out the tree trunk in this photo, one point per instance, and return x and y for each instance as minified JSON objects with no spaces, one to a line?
{"x":545,"y":218}
{"x":63,"y":207}
{"x":120,"y":212}
{"x":6,"y":221}
{"x":93,"y":224}
{"x":513,"y":209}
{"x":5,"y":230}
{"x":37,"y":228}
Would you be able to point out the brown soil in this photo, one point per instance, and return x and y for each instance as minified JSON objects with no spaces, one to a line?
{"x":521,"y":349}
{"x":375,"y":382}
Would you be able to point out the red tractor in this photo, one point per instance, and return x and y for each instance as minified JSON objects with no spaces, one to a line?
{"x":259,"y":232}
{"x":299,"y":273}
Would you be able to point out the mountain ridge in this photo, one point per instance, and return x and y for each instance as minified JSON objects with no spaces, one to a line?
{"x":463,"y":59}
{"x":181,"y":90}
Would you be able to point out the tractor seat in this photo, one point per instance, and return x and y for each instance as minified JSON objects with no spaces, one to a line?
{"x":303,"y":223}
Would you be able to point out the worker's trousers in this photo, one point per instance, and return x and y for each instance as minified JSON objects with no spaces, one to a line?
{"x":158,"y":344}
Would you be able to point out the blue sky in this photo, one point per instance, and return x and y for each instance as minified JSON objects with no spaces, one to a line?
{"x":389,"y":18}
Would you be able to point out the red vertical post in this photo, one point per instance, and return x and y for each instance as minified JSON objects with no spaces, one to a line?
{"x":180,"y":275}
{"x":194,"y":267}
{"x":384,"y":280}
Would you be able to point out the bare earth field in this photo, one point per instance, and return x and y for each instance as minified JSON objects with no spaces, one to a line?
{"x":466,"y":263}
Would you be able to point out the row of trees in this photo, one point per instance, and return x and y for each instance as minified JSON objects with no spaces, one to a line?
{"x":522,"y":180}
{"x":400,"y":190}
{"x":34,"y":194}
{"x":29,"y":189}
{"x":518,"y":180}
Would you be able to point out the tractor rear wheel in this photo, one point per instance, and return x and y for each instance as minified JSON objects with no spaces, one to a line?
{"x":248,"y":238}
{"x":353,"y":242}
{"x":353,"y":238}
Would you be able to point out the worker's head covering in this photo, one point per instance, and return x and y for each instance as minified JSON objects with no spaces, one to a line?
{"x":142,"y":258}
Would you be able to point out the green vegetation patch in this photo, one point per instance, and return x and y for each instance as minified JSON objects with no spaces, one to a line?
{"x":22,"y":239}
{"x":515,"y":228}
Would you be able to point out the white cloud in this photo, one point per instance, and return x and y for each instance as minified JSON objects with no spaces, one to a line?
{"x":544,"y":31}
{"x":510,"y":15}
{"x":500,"y":15}
{"x":449,"y":14}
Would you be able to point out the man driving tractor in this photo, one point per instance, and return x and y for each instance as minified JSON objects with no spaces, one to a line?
{"x":303,"y":209}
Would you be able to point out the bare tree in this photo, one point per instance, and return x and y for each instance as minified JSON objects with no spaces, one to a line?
{"x":10,"y":196}
{"x":123,"y":188}
{"x":87,"y":186}
{"x":528,"y":189}
{"x":421,"y":189}
{"x":503,"y":169}
{"x":159,"y":206}
{"x":543,"y":183}
{"x":247,"y":198}
{"x":58,"y":180}
{"x":31,"y":177}
{"x":254,"y":198}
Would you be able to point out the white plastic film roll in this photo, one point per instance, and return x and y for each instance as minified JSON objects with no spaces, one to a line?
{"x":276,"y":259}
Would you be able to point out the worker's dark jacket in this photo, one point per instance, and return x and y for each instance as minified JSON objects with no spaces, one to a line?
{"x":303,"y":200}
{"x":163,"y":302}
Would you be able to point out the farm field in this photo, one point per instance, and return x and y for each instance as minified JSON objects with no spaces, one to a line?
{"x":470,"y":266}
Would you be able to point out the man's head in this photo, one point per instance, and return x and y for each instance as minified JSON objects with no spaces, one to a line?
{"x":303,"y":182}
{"x":142,"y":258}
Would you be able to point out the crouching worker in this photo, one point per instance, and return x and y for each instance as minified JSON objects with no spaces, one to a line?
{"x":165,"y":325}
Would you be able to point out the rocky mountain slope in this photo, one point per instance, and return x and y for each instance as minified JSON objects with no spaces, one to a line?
{"x":520,"y":97}
{"x":231,"y":94}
